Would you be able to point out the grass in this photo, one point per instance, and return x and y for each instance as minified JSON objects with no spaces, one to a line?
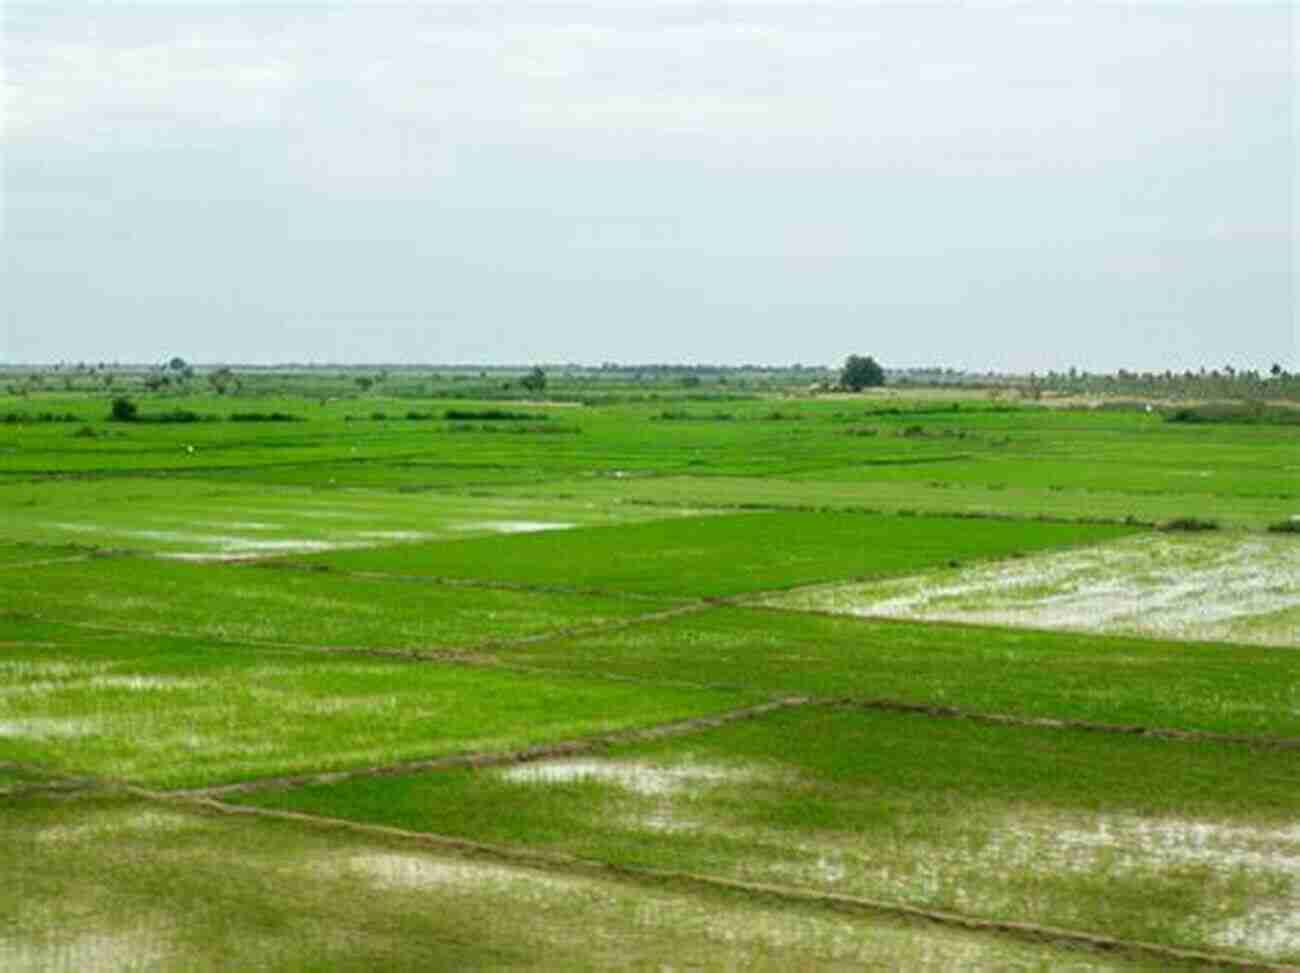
{"x":185,"y":713}
{"x":253,"y":603}
{"x":1150,"y":840}
{"x":1066,"y":463}
{"x":113,"y":882}
{"x":22,"y":554}
{"x":178,"y":670}
{"x":721,"y":555}
{"x":1146,"y":682}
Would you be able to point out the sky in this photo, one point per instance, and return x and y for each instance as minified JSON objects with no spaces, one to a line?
{"x":1003,"y":185}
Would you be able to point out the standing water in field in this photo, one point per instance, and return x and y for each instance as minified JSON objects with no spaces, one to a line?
{"x":1219,"y":588}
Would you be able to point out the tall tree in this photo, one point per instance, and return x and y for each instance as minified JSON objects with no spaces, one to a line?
{"x":861,"y":372}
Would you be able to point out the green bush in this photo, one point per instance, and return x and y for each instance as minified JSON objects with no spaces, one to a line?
{"x":124,"y":410}
{"x":490,"y":415}
{"x":263,"y":417}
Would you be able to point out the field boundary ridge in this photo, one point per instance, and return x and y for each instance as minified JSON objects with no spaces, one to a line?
{"x":942,"y":711}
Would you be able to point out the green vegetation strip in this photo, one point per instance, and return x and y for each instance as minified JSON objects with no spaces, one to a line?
{"x":184,"y":713}
{"x":1233,"y":690}
{"x":717,"y":556}
{"x":1177,"y":844}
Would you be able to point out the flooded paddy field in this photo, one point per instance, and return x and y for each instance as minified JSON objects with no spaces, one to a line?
{"x":272,"y":895}
{"x":1230,"y":588}
{"x":761,"y":683}
{"x":904,"y":808}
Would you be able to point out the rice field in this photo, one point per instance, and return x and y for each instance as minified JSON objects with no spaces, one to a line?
{"x":1217,"y":588}
{"x":660,"y":683}
{"x":722,"y":555}
{"x":904,"y":808}
{"x":272,"y":895}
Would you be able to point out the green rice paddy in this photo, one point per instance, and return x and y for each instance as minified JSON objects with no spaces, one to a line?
{"x":297,"y":607}
{"x":722,"y":555}
{"x":1231,"y":689}
{"x":1083,"y":831}
{"x":410,"y":586}
{"x":177,"y":890}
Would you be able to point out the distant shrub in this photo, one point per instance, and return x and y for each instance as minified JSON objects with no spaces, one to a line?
{"x":174,"y":416}
{"x":86,"y":432}
{"x":263,"y":417}
{"x":1289,"y":526}
{"x":123,"y":410}
{"x":516,"y":429}
{"x":1235,"y":412}
{"x":414,"y":416}
{"x":491,"y":415}
{"x":378,"y":416}
{"x":1189,"y":523}
{"x":14,"y":418}
{"x":912,"y":432}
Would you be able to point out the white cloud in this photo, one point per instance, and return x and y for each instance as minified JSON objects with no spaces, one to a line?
{"x":767,"y":69}
{"x":1014,"y":156}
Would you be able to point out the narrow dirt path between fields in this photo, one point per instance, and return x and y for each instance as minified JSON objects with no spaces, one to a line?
{"x":1052,"y":723}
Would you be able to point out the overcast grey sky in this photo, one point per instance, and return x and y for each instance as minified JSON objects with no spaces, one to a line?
{"x":1021,"y":186}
